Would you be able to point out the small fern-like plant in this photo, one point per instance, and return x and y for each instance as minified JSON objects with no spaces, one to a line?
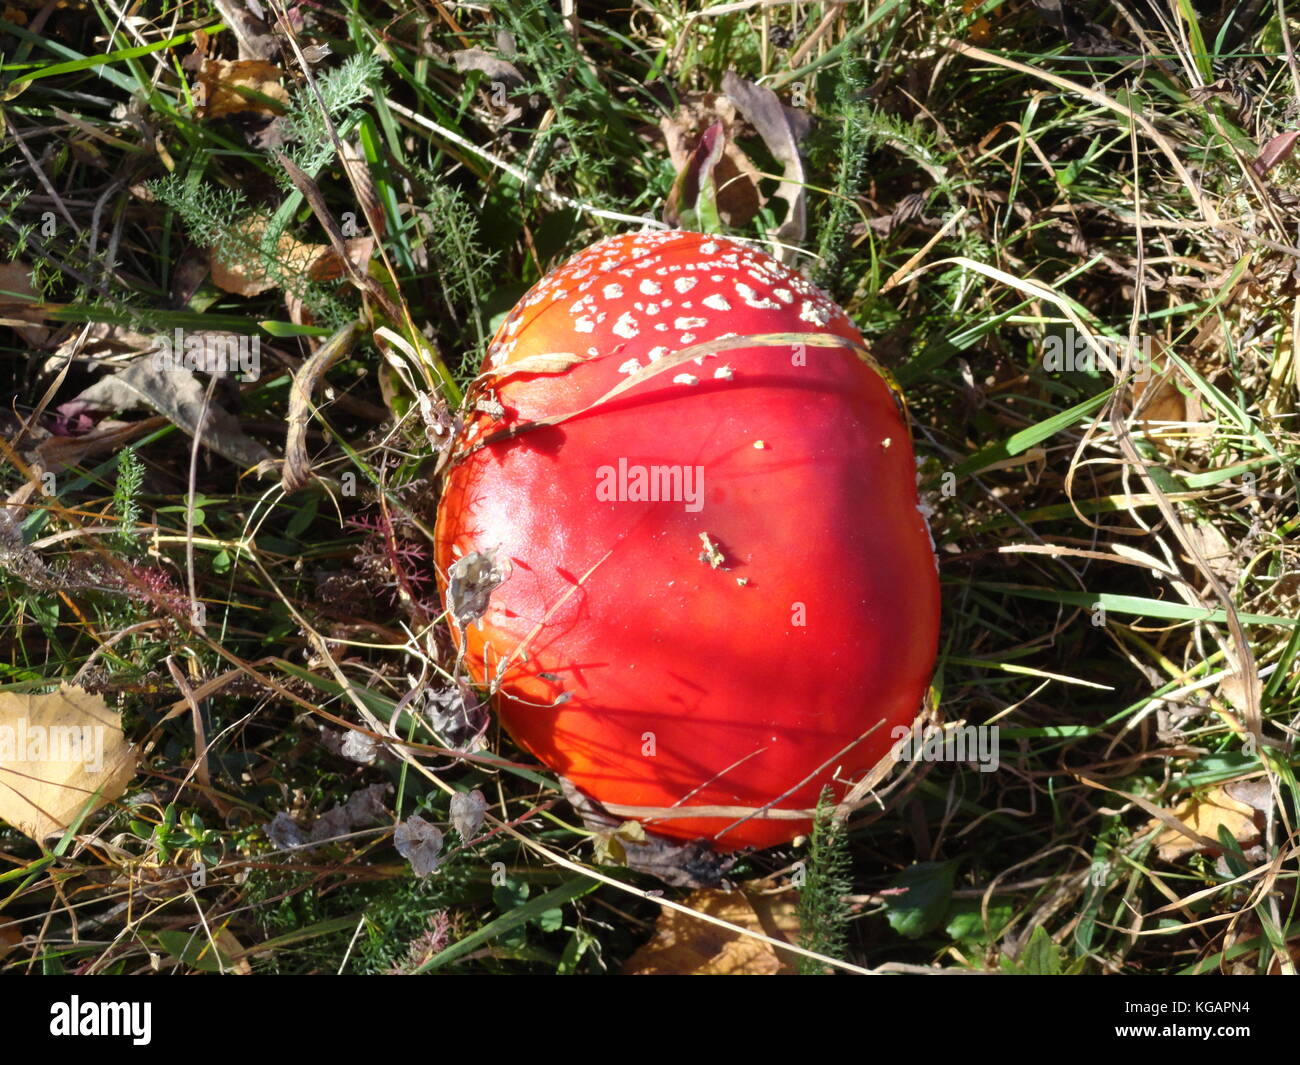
{"x":823,"y":912}
{"x":249,"y":240}
{"x":126,"y":499}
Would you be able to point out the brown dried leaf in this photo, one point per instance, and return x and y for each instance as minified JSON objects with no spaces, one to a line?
{"x":230,"y":87}
{"x":1206,"y":815}
{"x":495,"y":68}
{"x":57,"y":750}
{"x":683,"y":945}
{"x":306,"y":381}
{"x":244,"y":279}
{"x":20,"y":303}
{"x":1275,"y":151}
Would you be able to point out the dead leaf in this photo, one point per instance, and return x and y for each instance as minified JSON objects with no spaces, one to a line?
{"x":467,"y":812}
{"x":1205,"y":815}
{"x":306,"y":380}
{"x":683,"y":945}
{"x":251,"y":32}
{"x":1275,"y":151}
{"x":782,"y":128}
{"x":10,"y":936}
{"x":228,"y":87}
{"x":57,"y":750}
{"x":495,"y":68}
{"x":179,"y":396}
{"x":57,"y":453}
{"x":419,"y":843}
{"x":238,"y":267}
{"x":20,"y":303}
{"x":471,"y":580}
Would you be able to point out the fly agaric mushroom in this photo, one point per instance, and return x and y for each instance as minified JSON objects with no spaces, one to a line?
{"x":713,"y":588}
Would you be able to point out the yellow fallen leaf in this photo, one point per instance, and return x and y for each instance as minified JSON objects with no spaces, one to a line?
{"x":1206,"y":815}
{"x":57,"y":751}
{"x":686,"y":946}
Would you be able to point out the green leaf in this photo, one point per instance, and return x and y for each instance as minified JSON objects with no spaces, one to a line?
{"x":965,"y":919}
{"x":288,"y":329}
{"x":926,"y":897}
{"x":1041,"y":956}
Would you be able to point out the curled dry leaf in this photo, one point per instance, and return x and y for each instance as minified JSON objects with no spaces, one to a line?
{"x":306,"y":381}
{"x":467,"y":810}
{"x":419,"y":843}
{"x":683,"y":945}
{"x":246,"y":275}
{"x":471,"y":581}
{"x":59,"y":752}
{"x":735,"y":178}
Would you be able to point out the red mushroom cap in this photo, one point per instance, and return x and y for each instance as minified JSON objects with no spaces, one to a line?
{"x":752,"y":637}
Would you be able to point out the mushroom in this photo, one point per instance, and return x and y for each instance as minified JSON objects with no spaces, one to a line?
{"x":720,"y":591}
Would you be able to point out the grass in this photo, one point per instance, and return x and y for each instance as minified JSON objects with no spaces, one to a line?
{"x":985,"y":191}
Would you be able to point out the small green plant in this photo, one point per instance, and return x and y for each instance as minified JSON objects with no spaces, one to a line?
{"x":126,"y":499}
{"x":823,"y":912}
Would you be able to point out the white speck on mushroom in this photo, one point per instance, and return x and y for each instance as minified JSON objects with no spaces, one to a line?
{"x":783,"y":294}
{"x":584,"y":325}
{"x":661,"y":327}
{"x":716,"y":302}
{"x":690,"y":323}
{"x":717,"y":277}
{"x":814,"y":312}
{"x":760,"y":445}
{"x":631,"y":366}
{"x":613,"y":292}
{"x":650,"y":288}
{"x":886,"y":442}
{"x":657,"y":353}
{"x":724,"y":373}
{"x":686,"y":379}
{"x":685,"y":284}
{"x":753,"y":299}
{"x":626,"y":326}
{"x":708,"y":247}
